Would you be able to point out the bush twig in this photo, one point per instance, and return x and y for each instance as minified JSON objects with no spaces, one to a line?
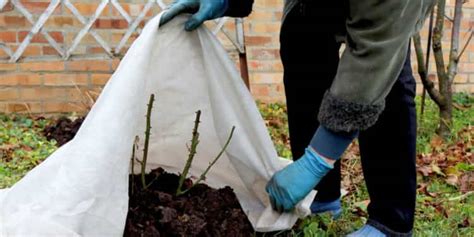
{"x":147,"y":139}
{"x":192,"y":153}
{"x":203,"y":175}
{"x":134,"y":148}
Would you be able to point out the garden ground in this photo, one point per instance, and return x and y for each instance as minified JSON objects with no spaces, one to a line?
{"x":445,"y":201}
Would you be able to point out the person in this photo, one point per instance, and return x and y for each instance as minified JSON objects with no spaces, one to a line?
{"x":367,"y":93}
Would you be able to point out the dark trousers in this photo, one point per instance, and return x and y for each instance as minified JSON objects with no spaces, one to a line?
{"x":310,"y":56}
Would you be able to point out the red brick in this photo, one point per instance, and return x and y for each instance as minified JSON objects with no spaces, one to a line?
{"x":30,"y":107}
{"x":103,"y":24}
{"x":100,"y":79}
{"x":266,"y":78}
{"x":119,"y":24}
{"x":95,"y":50}
{"x":260,"y":89}
{"x":48,"y":50}
{"x":266,"y":27}
{"x":39,"y":7}
{"x":265,"y":65}
{"x":89,"y":65}
{"x":62,"y":79}
{"x":32,"y":50}
{"x":260,"y":16}
{"x":13,"y":21}
{"x":59,"y":21}
{"x":264,"y":54}
{"x":42,"y":66}
{"x":461,"y":78}
{"x":39,"y":38}
{"x":125,"y":6}
{"x":7,"y":67}
{"x":466,"y":67}
{"x":258,"y":40}
{"x":14,"y":79}
{"x":278,"y":15}
{"x":7,"y":36}
{"x":9,"y":94}
{"x":64,"y":107}
{"x":89,"y":9}
{"x":115,"y":64}
{"x":78,"y":94}
{"x":40,"y":93}
{"x":110,"y":24}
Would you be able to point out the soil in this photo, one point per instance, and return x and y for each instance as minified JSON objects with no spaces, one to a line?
{"x":156,"y":211}
{"x":203,"y":211}
{"x":63,"y":130}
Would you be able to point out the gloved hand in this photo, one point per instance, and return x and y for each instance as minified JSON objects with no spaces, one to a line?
{"x":290,"y":185}
{"x":204,"y":10}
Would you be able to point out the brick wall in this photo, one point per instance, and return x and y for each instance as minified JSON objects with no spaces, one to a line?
{"x":42,"y":82}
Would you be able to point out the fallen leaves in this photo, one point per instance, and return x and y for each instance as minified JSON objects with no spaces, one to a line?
{"x":453,"y":162}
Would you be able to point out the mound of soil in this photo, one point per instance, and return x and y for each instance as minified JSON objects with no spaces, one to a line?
{"x":156,"y":211}
{"x":203,"y":211}
{"x":63,"y":130}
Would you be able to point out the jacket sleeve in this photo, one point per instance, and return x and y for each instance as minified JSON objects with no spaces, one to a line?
{"x":378,"y":33}
{"x":239,"y":8}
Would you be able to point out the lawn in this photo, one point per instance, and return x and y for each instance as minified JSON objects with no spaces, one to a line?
{"x":445,"y":202}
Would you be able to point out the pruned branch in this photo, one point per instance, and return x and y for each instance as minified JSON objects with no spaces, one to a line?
{"x":203,"y":175}
{"x":192,"y":153}
{"x":422,"y":71}
{"x":147,"y":139}
{"x":134,"y":148}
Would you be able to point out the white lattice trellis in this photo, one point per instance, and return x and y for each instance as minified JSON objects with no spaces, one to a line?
{"x":65,"y":51}
{"x":38,"y":24}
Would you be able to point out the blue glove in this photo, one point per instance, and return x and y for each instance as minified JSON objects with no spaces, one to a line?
{"x":204,"y":10}
{"x":290,"y":185}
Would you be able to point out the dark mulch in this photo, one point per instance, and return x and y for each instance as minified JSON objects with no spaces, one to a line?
{"x":156,"y":211}
{"x":203,"y":211}
{"x":63,"y":130}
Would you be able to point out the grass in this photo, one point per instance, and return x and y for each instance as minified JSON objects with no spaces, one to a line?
{"x":442,"y":208}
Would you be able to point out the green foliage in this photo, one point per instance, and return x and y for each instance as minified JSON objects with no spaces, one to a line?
{"x":276,"y":120}
{"x":22,"y":147}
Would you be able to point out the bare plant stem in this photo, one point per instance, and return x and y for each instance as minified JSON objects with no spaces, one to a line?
{"x":192,"y":153}
{"x":147,"y":139}
{"x":203,"y":175}
{"x":133,"y":164}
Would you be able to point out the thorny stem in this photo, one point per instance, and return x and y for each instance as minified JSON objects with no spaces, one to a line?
{"x":147,"y":139}
{"x":133,"y":162}
{"x":203,"y":175}
{"x":192,"y":153}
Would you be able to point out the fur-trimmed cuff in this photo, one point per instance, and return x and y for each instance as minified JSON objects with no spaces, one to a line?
{"x":344,"y":116}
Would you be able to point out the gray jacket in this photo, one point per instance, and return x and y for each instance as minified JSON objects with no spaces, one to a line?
{"x":377,"y":34}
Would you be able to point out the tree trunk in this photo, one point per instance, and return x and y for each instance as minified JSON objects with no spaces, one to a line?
{"x":445,"y":116}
